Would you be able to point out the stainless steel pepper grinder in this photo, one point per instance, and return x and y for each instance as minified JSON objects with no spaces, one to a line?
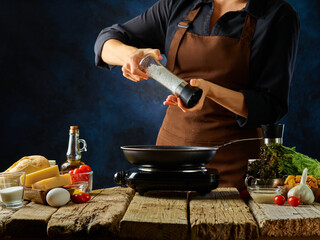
{"x":190,"y":96}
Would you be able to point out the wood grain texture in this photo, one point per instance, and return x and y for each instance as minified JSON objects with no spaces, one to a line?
{"x":5,"y":214}
{"x":220,"y":215}
{"x":287,"y":221}
{"x":35,"y":195}
{"x":99,"y":217}
{"x":157,"y":215}
{"x":29,"y":221}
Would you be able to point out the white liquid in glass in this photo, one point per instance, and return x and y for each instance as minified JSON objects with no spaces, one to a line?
{"x":11,"y":195}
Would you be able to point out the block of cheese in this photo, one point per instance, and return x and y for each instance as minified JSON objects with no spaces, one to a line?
{"x":53,"y":182}
{"x":49,"y":172}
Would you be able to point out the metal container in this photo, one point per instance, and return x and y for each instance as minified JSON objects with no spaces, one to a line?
{"x":250,"y":181}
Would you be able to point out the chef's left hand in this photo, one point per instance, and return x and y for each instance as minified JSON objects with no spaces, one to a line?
{"x":172,"y":100}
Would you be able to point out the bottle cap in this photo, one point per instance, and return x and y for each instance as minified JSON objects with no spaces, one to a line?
{"x":74,"y":129}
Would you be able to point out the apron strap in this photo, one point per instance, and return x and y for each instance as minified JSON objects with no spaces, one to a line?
{"x":248,"y":28}
{"x":182,"y":28}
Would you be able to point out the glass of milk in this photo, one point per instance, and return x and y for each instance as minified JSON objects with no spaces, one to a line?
{"x":11,"y":189}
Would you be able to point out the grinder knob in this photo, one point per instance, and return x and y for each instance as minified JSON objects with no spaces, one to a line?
{"x":121,"y":178}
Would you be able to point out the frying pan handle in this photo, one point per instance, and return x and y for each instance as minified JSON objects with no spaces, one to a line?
{"x":239,"y":140}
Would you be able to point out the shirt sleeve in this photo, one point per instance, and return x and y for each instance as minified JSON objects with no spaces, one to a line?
{"x":267,"y":98}
{"x":145,"y":31}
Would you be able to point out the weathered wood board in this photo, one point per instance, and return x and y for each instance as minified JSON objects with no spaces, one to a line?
{"x":5,"y":214}
{"x":157,"y":215}
{"x":220,"y":215}
{"x":287,"y":221}
{"x":99,"y":217}
{"x":29,"y":221}
{"x":118,"y":212}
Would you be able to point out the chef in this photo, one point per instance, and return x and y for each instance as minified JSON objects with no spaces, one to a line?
{"x":241,"y":53}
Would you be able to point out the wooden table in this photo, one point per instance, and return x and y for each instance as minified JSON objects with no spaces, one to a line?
{"x":120,"y":213}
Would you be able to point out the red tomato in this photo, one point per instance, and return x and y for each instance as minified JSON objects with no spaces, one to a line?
{"x":245,"y":194}
{"x":85,"y":168}
{"x":76,"y":175}
{"x":279,"y":200}
{"x":80,"y":197}
{"x":76,"y":171}
{"x":294,"y":201}
{"x":72,"y":176}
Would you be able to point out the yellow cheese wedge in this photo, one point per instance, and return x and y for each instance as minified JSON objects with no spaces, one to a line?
{"x":49,"y":172}
{"x":53,"y":182}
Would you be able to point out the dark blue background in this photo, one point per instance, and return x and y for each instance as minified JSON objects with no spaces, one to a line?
{"x":49,"y":82}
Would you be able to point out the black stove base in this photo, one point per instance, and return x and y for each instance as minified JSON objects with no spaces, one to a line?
{"x":201,"y":181}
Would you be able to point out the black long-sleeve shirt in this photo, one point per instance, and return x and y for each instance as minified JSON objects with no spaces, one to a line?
{"x":273,"y":50}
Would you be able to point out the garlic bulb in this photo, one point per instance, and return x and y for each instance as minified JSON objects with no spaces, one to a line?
{"x":302,"y":191}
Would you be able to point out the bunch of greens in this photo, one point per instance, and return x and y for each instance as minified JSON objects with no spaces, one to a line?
{"x":278,"y":160}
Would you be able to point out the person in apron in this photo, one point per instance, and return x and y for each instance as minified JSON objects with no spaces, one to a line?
{"x":192,"y":55}
{"x":220,"y":65}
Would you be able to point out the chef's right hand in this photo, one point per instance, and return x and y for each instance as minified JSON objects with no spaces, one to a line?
{"x":130,"y":68}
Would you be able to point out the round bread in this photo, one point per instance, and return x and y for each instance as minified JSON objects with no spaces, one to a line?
{"x":29,"y":164}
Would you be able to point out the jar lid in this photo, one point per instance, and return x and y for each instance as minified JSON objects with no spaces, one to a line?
{"x":52,"y":162}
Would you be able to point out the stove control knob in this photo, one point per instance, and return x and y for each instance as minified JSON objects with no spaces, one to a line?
{"x":120,"y":178}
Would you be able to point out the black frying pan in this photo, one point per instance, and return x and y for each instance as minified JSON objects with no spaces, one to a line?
{"x":168,"y":156}
{"x":153,"y":156}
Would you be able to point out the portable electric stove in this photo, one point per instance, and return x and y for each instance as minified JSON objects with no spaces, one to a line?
{"x":144,"y":179}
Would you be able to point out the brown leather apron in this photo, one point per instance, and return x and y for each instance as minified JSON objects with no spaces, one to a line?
{"x":223,"y":61}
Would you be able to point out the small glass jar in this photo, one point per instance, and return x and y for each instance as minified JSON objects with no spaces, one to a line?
{"x":80,"y":178}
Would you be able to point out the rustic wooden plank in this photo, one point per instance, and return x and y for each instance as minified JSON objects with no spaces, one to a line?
{"x":99,"y":217}
{"x":288,"y":238}
{"x":5,"y":214}
{"x":109,"y":209}
{"x":287,"y":221}
{"x":221,"y":214}
{"x":29,"y":221}
{"x":157,"y":215}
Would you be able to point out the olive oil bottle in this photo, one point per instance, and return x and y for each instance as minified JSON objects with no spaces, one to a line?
{"x":74,"y":151}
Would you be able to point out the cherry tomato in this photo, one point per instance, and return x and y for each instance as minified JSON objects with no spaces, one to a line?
{"x":85,"y":168}
{"x":80,"y":197}
{"x":76,"y":171}
{"x":245,"y":194}
{"x":279,"y":200}
{"x":294,"y":201}
{"x":74,"y":177}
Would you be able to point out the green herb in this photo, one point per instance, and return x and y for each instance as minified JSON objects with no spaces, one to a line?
{"x":278,"y":160}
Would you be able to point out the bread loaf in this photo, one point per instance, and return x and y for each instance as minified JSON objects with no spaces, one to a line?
{"x":29,"y":164}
